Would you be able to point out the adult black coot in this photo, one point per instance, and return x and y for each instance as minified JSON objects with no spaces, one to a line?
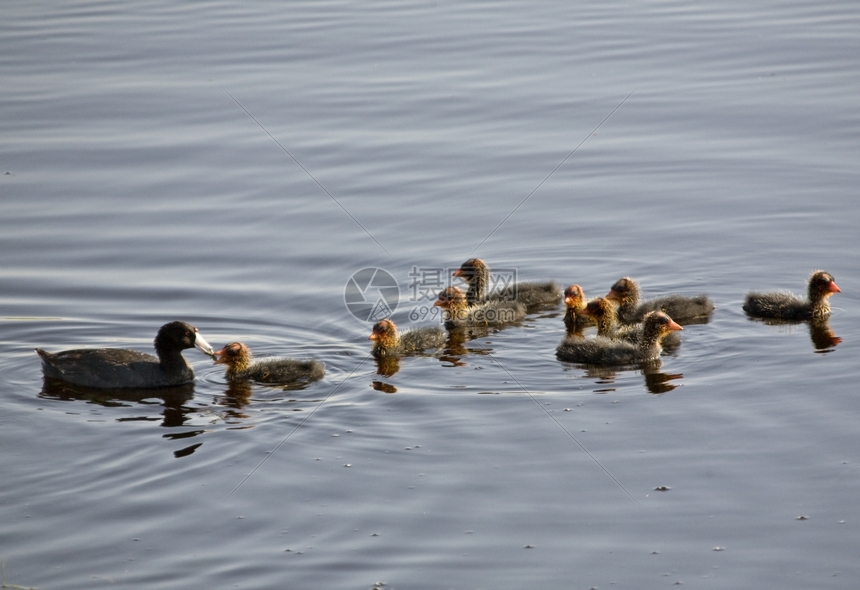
{"x":118,"y":368}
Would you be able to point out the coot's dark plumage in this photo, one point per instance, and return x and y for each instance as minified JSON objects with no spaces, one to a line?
{"x":458,"y":313}
{"x":477,"y":274}
{"x":242,"y":367}
{"x":786,"y":306}
{"x":118,"y":368}
{"x":683,"y":309}
{"x":388,"y":341}
{"x":603,"y":351}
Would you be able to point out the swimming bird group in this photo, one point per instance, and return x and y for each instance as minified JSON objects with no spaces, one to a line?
{"x":629,"y":332}
{"x":119,"y":368}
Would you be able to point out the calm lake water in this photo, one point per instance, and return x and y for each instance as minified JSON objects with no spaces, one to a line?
{"x":233,"y":164}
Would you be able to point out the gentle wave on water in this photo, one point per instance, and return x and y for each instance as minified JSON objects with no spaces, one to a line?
{"x":233,"y":167}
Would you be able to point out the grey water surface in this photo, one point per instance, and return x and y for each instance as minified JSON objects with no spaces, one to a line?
{"x":234,"y":164}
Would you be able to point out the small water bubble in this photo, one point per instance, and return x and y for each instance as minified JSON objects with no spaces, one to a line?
{"x":662,"y":489}
{"x":347,"y":464}
{"x":802,"y":517}
{"x":719,"y":548}
{"x":567,"y":409}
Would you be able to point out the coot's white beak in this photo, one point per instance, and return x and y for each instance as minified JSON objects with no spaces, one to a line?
{"x":201,"y":344}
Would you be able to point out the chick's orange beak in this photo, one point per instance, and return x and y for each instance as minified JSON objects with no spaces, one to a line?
{"x":221,"y":356}
{"x":833,"y":288}
{"x":674,"y":326}
{"x":373,"y":336}
{"x":612,"y":295}
{"x":457,"y":273}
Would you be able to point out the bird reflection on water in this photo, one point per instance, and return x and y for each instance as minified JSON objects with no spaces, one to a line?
{"x":172,"y":399}
{"x":823,"y":338}
{"x":451,"y":354}
{"x":779,"y":308}
{"x":656,"y":381}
